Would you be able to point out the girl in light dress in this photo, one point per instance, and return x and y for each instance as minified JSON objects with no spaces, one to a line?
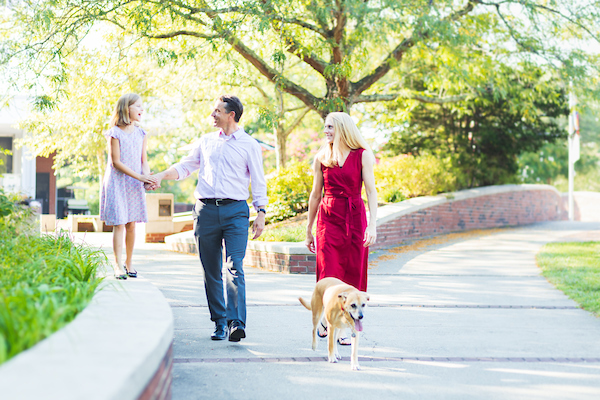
{"x":122,"y":198}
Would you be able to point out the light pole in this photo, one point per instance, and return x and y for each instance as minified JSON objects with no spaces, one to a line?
{"x":573,"y":142}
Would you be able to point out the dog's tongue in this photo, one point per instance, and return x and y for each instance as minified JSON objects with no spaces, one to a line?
{"x":358,"y":325}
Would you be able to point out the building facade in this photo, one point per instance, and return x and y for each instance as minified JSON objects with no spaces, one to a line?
{"x":21,"y":171}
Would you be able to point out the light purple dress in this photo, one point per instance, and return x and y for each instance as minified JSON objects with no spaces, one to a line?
{"x":123,"y":198}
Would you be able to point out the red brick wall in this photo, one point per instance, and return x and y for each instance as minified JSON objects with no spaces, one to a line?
{"x":159,"y":387}
{"x":492,"y":211}
{"x":43,"y":164}
{"x":288,"y":263}
{"x":156,"y":237}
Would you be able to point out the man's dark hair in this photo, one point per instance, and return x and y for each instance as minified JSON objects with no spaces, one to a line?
{"x":232,"y":103}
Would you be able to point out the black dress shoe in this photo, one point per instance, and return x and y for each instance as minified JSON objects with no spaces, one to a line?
{"x":236,"y":331}
{"x":220,"y":333}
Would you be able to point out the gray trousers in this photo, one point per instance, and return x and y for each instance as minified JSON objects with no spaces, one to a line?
{"x":214,"y":226}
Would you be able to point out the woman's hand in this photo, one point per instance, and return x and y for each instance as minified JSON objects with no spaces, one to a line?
{"x":310,"y":242}
{"x":370,"y":236}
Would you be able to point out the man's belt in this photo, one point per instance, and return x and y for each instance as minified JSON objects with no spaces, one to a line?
{"x":219,"y":202}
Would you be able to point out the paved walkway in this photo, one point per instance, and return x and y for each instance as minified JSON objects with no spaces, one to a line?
{"x":465,"y":316}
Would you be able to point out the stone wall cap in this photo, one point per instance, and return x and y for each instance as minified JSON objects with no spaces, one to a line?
{"x":297,"y":248}
{"x":182,"y":237}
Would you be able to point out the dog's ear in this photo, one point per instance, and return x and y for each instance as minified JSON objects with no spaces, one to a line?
{"x":343,"y":296}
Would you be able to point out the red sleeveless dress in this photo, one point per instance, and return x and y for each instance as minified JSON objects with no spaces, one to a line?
{"x":341,"y":224}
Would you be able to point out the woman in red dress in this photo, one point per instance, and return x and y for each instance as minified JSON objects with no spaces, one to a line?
{"x":343,"y":235}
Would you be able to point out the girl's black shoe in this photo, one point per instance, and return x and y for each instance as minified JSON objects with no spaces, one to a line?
{"x":121,"y":277}
{"x":132,"y":274}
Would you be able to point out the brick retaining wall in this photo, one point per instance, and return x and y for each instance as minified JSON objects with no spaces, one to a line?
{"x":278,"y":262}
{"x":488,"y":207}
{"x":488,"y":211}
{"x":159,"y":387}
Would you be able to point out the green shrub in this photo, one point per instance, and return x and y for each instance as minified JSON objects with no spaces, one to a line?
{"x":288,"y":191}
{"x":405,"y":176}
{"x":44,"y":280}
{"x":15,"y":217}
{"x":284,"y":234}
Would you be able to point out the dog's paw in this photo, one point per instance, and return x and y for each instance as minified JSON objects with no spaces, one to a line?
{"x":338,"y":356}
{"x":355,"y":367}
{"x":332,"y":359}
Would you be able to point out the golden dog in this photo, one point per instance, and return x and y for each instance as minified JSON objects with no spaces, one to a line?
{"x":343,"y":306}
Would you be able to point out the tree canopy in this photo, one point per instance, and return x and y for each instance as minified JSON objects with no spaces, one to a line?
{"x":333,"y":54}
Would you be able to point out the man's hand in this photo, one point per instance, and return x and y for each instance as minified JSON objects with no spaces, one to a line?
{"x":259,"y":225}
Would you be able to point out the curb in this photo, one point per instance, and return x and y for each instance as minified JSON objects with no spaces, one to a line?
{"x":93,"y":358}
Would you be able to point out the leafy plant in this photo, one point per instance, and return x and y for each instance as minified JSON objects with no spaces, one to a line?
{"x":15,"y":216}
{"x":44,"y":280}
{"x":288,"y":191}
{"x":519,"y":112}
{"x":402,"y":177}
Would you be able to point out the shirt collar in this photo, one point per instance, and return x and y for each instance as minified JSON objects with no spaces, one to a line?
{"x":236,"y":135}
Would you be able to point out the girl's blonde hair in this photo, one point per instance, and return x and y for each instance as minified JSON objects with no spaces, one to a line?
{"x":121,"y":113}
{"x":346,"y":132}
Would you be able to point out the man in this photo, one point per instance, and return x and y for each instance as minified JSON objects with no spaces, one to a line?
{"x":226,"y":160}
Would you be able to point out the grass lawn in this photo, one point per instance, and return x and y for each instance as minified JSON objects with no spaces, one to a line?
{"x":574,"y":268}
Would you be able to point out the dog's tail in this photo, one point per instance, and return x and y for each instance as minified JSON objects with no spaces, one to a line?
{"x":305,"y":303}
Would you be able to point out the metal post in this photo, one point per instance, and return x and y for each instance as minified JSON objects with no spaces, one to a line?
{"x":571,"y":161}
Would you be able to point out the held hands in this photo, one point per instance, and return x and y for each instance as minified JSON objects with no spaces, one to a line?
{"x":310,"y":242}
{"x":370,"y":236}
{"x":152,"y":182}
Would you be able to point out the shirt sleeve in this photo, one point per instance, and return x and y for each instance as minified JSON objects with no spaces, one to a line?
{"x":189,"y":163}
{"x":112,"y":132}
{"x":257,"y":176}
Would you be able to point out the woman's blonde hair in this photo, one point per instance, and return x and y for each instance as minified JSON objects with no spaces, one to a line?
{"x":346,"y":132}
{"x":121,"y":113}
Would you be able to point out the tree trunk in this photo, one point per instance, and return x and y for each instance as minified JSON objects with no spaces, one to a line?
{"x":280,"y":145}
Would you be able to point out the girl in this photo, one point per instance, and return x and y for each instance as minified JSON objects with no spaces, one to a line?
{"x":343,"y":234}
{"x":122,"y":198}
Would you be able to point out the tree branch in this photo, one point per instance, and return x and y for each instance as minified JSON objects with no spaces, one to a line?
{"x":265,"y":69}
{"x":372,"y":98}
{"x":296,"y":122}
{"x":397,"y":54}
{"x":246,"y":11}
{"x":182,"y":33}
{"x":270,"y":73}
{"x":313,"y":60}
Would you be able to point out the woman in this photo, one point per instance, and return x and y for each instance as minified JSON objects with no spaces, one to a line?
{"x":343,"y":235}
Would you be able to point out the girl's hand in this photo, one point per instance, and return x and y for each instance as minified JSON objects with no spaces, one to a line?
{"x":370,"y":236}
{"x":150,"y":179}
{"x":310,"y":242}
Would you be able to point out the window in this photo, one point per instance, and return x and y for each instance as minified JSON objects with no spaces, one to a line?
{"x":6,"y":160}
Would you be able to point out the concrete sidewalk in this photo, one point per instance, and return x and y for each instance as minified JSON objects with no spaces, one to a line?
{"x":465,"y":316}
